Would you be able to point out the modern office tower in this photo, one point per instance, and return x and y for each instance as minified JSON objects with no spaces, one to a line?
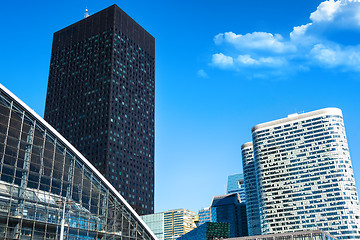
{"x":175,"y":223}
{"x":155,"y":222}
{"x":178,"y":222}
{"x":204,"y":215}
{"x":208,"y":231}
{"x":251,"y":190}
{"x":299,"y":235}
{"x":101,"y":95}
{"x":235,"y":184}
{"x":44,"y":180}
{"x":229,"y":209}
{"x":305,"y":176}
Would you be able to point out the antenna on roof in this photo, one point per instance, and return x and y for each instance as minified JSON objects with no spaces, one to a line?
{"x":86,"y":13}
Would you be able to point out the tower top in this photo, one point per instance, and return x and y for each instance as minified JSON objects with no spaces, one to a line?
{"x":86,"y":14}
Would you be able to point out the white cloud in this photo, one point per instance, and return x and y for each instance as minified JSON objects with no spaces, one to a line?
{"x":262,"y":61}
{"x":255,"y":40}
{"x":299,"y":32}
{"x":222,"y":61}
{"x":334,"y":56}
{"x":340,"y":14}
{"x":246,"y":60}
{"x":201,"y":73}
{"x":325,"y":55}
{"x":328,"y":40}
{"x":326,"y":11}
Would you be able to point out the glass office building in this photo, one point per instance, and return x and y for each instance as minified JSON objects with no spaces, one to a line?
{"x":41,"y":174}
{"x":305,"y":175}
{"x":251,"y":189}
{"x":236,"y":184}
{"x":229,"y":209}
{"x":155,"y":222}
{"x":208,"y":231}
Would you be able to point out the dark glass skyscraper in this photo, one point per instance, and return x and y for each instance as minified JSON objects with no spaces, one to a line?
{"x":229,"y":209}
{"x":101,"y":96}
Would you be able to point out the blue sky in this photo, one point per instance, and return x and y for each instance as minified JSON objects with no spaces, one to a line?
{"x":221,"y":68}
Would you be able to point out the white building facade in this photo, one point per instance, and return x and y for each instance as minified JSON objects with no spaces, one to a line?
{"x":305,"y":176}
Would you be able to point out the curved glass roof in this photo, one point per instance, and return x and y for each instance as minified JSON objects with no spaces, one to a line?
{"x":41,"y":172}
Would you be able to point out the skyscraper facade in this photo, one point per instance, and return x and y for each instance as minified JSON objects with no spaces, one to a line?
{"x":171,"y":224}
{"x":305,"y":175}
{"x":251,"y":189}
{"x":229,"y":209}
{"x":101,"y":95}
{"x":155,"y":222}
{"x":204,"y":215}
{"x":178,"y":222}
{"x":236,"y":184}
{"x":49,"y":189}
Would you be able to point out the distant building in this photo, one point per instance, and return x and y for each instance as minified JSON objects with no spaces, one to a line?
{"x":301,"y":235}
{"x":44,"y":179}
{"x":208,"y":231}
{"x":229,"y":209}
{"x":251,"y":189}
{"x":305,"y":176}
{"x":155,"y":222}
{"x":236,"y":185}
{"x":171,"y":224}
{"x":204,"y":215}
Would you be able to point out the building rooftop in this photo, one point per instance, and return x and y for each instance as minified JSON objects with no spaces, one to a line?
{"x":297,"y":117}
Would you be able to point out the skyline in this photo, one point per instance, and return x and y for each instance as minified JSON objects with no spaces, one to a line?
{"x":204,"y":113}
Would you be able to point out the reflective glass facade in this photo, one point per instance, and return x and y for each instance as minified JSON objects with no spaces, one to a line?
{"x":155,"y":222}
{"x":208,"y":231}
{"x":229,"y":209}
{"x":251,"y":189}
{"x":40,"y":171}
{"x":236,"y":184}
{"x":101,"y":98}
{"x":305,"y":175}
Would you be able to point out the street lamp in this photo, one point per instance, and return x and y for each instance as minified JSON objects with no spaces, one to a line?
{"x":63,"y":202}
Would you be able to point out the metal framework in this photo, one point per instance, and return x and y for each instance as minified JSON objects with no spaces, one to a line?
{"x":40,"y":168}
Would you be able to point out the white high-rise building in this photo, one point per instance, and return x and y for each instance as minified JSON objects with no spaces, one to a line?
{"x":305,"y":176}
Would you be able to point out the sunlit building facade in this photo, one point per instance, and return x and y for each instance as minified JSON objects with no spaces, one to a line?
{"x":171,"y":224}
{"x":251,"y":189}
{"x":204,"y":215}
{"x":42,"y":174}
{"x":305,"y":175}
